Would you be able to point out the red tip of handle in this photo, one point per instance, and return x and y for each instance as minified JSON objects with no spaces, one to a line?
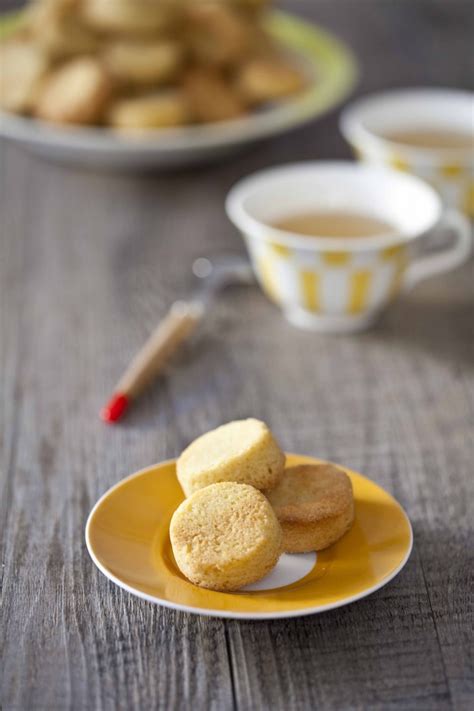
{"x":115,"y":408}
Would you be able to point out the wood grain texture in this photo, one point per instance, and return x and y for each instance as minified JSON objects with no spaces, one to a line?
{"x":89,"y":263}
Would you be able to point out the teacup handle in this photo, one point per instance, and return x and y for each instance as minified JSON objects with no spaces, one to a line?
{"x":445,"y":259}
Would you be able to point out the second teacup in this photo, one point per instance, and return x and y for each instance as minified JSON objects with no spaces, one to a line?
{"x":427,"y":132}
{"x":341,"y":283}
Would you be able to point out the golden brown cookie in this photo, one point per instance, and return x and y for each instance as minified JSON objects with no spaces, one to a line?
{"x":161,"y":109}
{"x":264,"y":79}
{"x":253,"y":8}
{"x":75,"y":93}
{"x":38,"y":11}
{"x":58,"y":29}
{"x":244,"y":451}
{"x":225,"y":536}
{"x":217,"y":34}
{"x":22,"y":69}
{"x":143,"y":62}
{"x":210,"y":97}
{"x":315,"y":506}
{"x":130,"y":17}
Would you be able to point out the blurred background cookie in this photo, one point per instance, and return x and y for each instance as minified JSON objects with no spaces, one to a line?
{"x":23,"y":66}
{"x":253,"y":8}
{"x":210,"y":97}
{"x":145,"y":61}
{"x":156,"y":110}
{"x":130,"y":17}
{"x":315,"y":506}
{"x":225,"y":536}
{"x":57,"y":28}
{"x":267,"y":79}
{"x":218,"y":34}
{"x":75,"y":93}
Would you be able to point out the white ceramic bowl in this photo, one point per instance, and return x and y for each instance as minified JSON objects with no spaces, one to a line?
{"x":331,"y":71}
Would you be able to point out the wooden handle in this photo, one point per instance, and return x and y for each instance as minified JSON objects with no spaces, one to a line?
{"x":177,"y":325}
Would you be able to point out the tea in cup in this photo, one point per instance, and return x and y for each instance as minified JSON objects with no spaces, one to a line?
{"x":333,"y":243}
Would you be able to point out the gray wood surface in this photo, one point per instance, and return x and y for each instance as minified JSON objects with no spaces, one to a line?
{"x":88,"y":264}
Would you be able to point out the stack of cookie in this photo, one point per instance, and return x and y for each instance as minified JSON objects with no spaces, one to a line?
{"x":244,"y":508}
{"x":143,"y":64}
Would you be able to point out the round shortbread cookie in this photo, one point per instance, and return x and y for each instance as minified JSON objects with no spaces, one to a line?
{"x":210,"y":97}
{"x":160,"y":109}
{"x":218,"y":34}
{"x":58,"y":29}
{"x":129,"y":17}
{"x":77,"y":92}
{"x":315,"y":506}
{"x":268,"y":79}
{"x":244,"y":451}
{"x":23,"y":67}
{"x":225,"y":536}
{"x":142,"y":62}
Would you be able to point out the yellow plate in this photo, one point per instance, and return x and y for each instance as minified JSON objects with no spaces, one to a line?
{"x":127,"y":537}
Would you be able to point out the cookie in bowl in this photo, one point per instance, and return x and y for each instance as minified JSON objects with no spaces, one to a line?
{"x":315,"y":506}
{"x":225,"y":536}
{"x":75,"y":93}
{"x":163,"y":108}
{"x":24,"y":67}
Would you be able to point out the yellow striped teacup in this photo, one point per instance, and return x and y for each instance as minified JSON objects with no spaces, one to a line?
{"x":341,"y":284}
{"x":368,"y":122}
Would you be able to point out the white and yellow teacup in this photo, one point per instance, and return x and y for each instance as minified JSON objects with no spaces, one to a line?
{"x":340,"y":284}
{"x":367,"y":121}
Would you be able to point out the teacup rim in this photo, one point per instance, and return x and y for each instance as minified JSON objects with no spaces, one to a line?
{"x":256,"y":229}
{"x":356,"y":133}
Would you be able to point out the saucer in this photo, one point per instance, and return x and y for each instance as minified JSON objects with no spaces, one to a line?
{"x":127,"y":535}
